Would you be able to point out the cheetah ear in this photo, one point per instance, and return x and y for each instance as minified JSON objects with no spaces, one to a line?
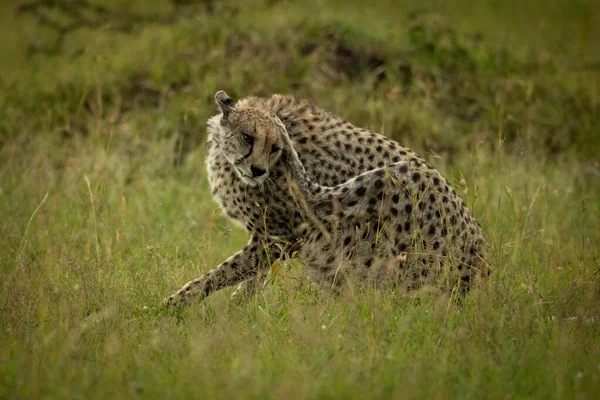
{"x":225,"y":103}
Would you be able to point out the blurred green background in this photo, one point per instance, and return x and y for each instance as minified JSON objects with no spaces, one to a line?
{"x":105,"y":208}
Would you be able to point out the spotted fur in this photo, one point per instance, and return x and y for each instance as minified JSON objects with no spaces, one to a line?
{"x":353,"y":205}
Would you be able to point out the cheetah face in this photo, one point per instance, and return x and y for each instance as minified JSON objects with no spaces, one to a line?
{"x":249,"y":138}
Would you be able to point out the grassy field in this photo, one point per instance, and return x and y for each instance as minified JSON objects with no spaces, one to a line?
{"x":105,"y":208}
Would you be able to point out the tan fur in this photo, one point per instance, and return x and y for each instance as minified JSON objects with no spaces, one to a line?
{"x":365,"y":208}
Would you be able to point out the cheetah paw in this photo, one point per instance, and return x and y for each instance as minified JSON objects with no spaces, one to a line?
{"x":180,"y":298}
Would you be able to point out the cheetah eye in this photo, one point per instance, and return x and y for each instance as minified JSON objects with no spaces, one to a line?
{"x":274,"y":149}
{"x":247,"y":138}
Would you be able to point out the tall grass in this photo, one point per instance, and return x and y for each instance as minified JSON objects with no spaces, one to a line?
{"x":105,"y":208}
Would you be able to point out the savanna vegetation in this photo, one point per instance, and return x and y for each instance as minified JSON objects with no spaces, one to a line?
{"x":104,"y":207}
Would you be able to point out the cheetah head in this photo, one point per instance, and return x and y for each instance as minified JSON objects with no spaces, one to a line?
{"x":249,"y":138}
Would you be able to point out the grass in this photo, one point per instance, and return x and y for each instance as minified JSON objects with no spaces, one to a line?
{"x":105,"y":209}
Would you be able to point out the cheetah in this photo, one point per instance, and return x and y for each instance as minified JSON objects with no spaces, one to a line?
{"x":353,"y":205}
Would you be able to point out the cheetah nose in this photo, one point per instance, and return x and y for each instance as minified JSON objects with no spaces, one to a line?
{"x":257,"y":170}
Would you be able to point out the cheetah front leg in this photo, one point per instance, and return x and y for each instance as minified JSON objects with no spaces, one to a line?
{"x":241,"y":266}
{"x":248,"y":288}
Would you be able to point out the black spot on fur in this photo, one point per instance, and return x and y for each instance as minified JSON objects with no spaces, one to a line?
{"x":431,"y":230}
